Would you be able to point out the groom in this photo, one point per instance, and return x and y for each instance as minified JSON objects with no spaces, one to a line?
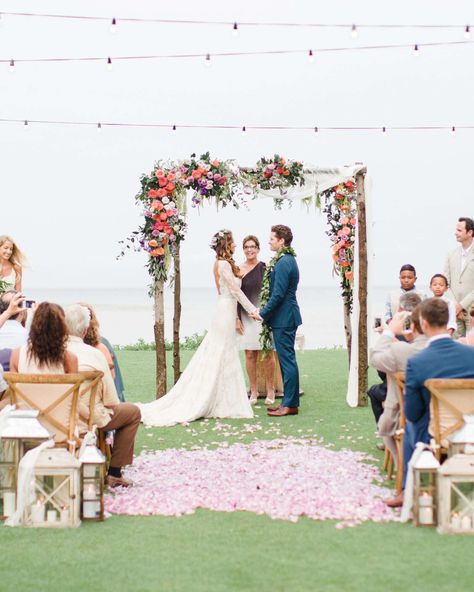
{"x":282,"y":314}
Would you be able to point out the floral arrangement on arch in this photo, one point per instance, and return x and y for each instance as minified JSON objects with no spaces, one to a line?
{"x":340,"y":207}
{"x":277,"y":173}
{"x":211,"y":179}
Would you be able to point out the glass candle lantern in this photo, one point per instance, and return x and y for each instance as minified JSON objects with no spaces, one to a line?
{"x":92,"y":483}
{"x":425,"y":489}
{"x":20,"y":432}
{"x":462,"y":438}
{"x":456,"y":495}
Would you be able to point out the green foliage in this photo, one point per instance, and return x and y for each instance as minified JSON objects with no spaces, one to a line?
{"x":191,"y":342}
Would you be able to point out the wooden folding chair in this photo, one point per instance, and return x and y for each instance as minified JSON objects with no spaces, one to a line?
{"x":451,"y":399}
{"x":87,"y":397}
{"x":400,"y":433}
{"x":55,"y":396}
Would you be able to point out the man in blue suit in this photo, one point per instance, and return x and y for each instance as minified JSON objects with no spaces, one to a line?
{"x":282,"y":314}
{"x":442,"y":358}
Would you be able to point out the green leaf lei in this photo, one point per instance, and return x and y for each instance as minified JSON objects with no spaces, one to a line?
{"x":266,"y":334}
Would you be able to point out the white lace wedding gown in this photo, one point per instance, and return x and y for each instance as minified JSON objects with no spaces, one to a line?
{"x":212,"y":385}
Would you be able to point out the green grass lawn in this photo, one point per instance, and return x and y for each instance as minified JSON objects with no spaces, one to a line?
{"x":210,"y":551}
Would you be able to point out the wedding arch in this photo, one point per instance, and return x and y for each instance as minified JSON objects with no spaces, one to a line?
{"x":339,"y":192}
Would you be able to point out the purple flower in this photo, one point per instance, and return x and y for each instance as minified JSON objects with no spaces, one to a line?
{"x":155,"y":232}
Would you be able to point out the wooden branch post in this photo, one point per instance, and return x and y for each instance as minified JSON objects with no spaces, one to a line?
{"x":177,"y":316}
{"x":159,"y":327}
{"x":348,"y":328}
{"x":363,"y":341}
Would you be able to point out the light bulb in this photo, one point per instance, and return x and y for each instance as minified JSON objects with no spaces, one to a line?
{"x":416,"y":50}
{"x":99,"y":127}
{"x":467,"y":32}
{"x":12,"y":65}
{"x":174,"y":128}
{"x":316,"y":130}
{"x":244,"y":129}
{"x":25,"y":124}
{"x":354,"y":32}
{"x":384,"y":131}
{"x":235,"y":30}
{"x":453,"y":131}
{"x":113,"y":26}
{"x":207,"y":61}
{"x":310,"y":56}
{"x":109,"y":64}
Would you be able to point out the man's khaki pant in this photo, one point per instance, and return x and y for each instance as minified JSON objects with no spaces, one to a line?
{"x":125,"y":422}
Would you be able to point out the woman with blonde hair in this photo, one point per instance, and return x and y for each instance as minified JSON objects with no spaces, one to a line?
{"x":11,"y":264}
{"x":92,"y":337}
{"x":212,"y":384}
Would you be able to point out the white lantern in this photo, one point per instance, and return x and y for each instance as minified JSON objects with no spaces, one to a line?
{"x":456,"y":495}
{"x":92,"y":483}
{"x":462,"y":437}
{"x":21,"y":431}
{"x":425,"y":489}
{"x":57,"y":490}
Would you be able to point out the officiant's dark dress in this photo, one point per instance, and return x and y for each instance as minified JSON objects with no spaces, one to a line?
{"x":251,"y":287}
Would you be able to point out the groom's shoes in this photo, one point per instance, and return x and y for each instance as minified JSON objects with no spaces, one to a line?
{"x":282,"y":411}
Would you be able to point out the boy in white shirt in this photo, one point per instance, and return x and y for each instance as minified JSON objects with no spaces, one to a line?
{"x":439,"y":286}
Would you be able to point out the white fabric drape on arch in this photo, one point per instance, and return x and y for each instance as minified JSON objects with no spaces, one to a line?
{"x":318,"y":179}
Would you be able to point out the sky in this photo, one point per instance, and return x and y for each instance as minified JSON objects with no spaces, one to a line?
{"x":67,"y":193}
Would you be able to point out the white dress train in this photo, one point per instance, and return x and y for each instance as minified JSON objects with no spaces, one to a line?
{"x":212,"y":385}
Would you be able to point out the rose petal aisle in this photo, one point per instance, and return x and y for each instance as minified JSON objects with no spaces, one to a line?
{"x":284,"y":479}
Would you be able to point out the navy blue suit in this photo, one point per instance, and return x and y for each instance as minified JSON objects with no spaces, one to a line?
{"x":282,"y":314}
{"x":443,"y":358}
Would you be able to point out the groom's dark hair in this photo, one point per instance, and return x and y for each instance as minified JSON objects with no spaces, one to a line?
{"x":284,"y":232}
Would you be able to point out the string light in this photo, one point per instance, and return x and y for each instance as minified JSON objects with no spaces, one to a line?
{"x":244,"y":129}
{"x":416,"y":51}
{"x":235,"y":29}
{"x":113,"y":26}
{"x":354,"y":32}
{"x":207,"y":61}
{"x":25,"y":124}
{"x":453,"y":131}
{"x":273,"y":52}
{"x":310,"y":56}
{"x":12,"y":65}
{"x":99,"y":127}
{"x":109,"y":64}
{"x":384,"y":131}
{"x":467,"y":32}
{"x":275,"y":24}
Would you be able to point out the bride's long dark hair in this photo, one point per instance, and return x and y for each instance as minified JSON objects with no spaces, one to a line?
{"x":222,"y":244}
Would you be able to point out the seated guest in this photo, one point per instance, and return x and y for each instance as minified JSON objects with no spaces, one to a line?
{"x":46,"y":349}
{"x":92,"y":337}
{"x":469,"y":339}
{"x":443,"y":357}
{"x":390,"y":355}
{"x":12,"y":318}
{"x":118,"y":380}
{"x":109,"y":413}
{"x":3,"y":388}
{"x":377,"y":394}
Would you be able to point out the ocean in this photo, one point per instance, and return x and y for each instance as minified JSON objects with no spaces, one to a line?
{"x":126,"y":314}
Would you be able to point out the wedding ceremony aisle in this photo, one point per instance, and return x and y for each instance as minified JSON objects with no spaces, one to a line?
{"x":231,"y":549}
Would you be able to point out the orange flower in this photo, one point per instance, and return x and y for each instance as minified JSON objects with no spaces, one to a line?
{"x":196,"y":174}
{"x":159,"y":173}
{"x":152,"y":193}
{"x":349,"y":275}
{"x":344,"y":220}
{"x":215,"y":163}
{"x":163,"y":216}
{"x":353,"y":221}
{"x":153,"y":243}
{"x":170,"y":213}
{"x":157,"y":252}
{"x":349,"y":184}
{"x":171,"y":176}
{"x":286,"y":172}
{"x":161,"y":192}
{"x":344,"y":264}
{"x":170,"y":187}
{"x":162,"y":181}
{"x":345,"y":207}
{"x":282,"y":161}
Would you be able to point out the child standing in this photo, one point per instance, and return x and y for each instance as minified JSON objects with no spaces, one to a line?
{"x":439,"y":286}
{"x":407,"y":284}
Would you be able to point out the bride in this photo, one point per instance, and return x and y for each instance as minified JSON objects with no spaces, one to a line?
{"x":212,"y":385}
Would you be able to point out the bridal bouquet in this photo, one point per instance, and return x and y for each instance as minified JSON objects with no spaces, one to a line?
{"x":278,"y":173}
